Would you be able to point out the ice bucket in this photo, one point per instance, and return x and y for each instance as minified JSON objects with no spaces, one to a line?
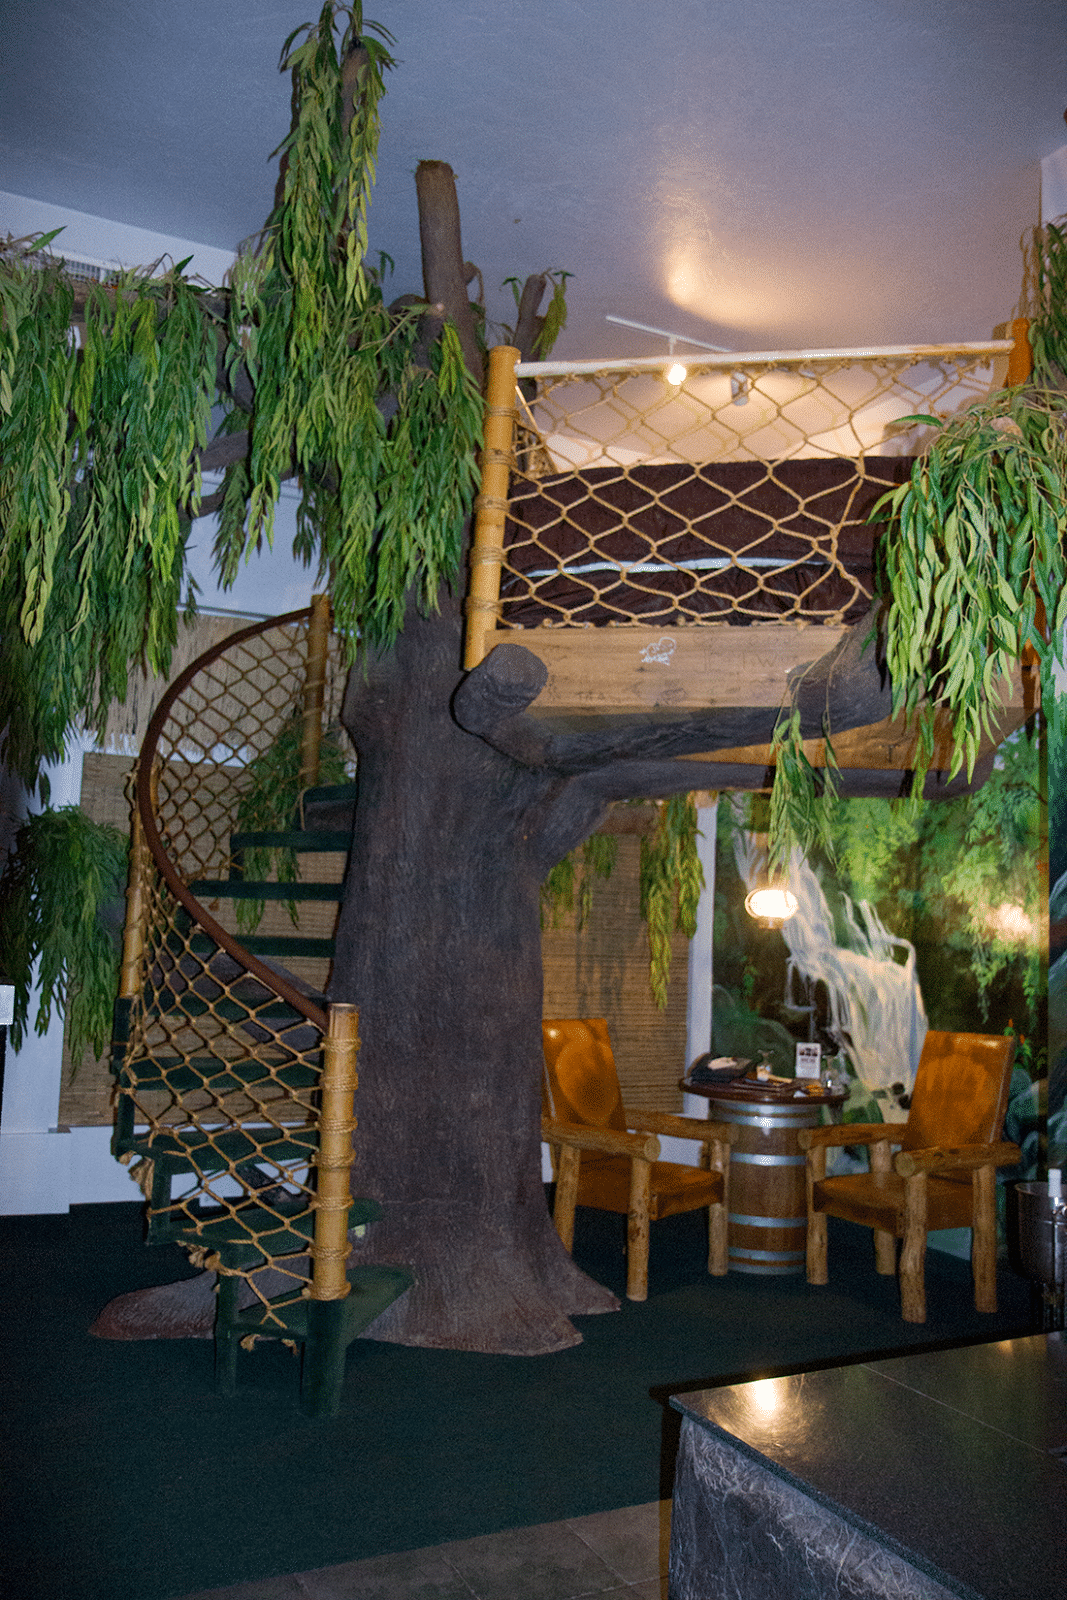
{"x":1039,"y":1231}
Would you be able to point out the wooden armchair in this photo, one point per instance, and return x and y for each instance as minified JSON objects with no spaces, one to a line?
{"x":943,"y":1176}
{"x":600,"y":1162}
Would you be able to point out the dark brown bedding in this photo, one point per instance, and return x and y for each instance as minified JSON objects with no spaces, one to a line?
{"x":743,"y":540}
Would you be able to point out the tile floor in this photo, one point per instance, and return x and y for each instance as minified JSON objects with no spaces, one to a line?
{"x":621,"y":1555}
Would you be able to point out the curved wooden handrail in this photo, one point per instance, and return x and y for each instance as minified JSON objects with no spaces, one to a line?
{"x":157,"y":849}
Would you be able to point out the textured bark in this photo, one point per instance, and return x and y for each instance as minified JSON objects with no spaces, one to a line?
{"x":439,"y":945}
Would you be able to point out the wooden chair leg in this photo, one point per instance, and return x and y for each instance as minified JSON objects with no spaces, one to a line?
{"x":566,"y":1194}
{"x":885,"y":1253}
{"x":637,"y":1230}
{"x":716,"y":1159}
{"x":818,"y":1271}
{"x":913,"y":1254}
{"x":885,"y":1244}
{"x":984,"y":1238}
{"x":718,"y":1245}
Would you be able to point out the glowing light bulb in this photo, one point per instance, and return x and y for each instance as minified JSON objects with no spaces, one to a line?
{"x":676,"y":374}
{"x":771,"y":906}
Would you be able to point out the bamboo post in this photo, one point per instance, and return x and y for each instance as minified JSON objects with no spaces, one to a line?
{"x":329,"y":1252}
{"x":314,"y":689}
{"x":491,"y":506}
{"x":133,"y":932}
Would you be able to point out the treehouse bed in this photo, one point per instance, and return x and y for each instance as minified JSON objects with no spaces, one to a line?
{"x":666,"y":546}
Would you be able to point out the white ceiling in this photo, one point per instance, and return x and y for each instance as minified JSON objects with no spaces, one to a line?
{"x":755,"y":173}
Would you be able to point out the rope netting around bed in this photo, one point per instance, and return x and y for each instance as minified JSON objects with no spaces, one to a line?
{"x":741,"y":494}
{"x":218,"y":1076}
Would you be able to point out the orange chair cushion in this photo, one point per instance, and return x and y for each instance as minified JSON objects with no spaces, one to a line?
{"x":876,"y":1200}
{"x":604,"y":1184}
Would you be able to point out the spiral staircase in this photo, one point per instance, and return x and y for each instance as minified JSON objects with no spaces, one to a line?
{"x":234,"y":1076}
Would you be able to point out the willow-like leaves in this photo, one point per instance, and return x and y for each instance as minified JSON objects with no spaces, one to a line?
{"x":975,"y":564}
{"x":671,"y":880}
{"x":97,"y":477}
{"x":383,"y":436}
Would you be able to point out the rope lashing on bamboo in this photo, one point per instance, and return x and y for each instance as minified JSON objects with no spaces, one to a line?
{"x":334,"y":1158}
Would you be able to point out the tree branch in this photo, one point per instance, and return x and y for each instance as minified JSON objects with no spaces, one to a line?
{"x":443,"y":267}
{"x":528,"y":324}
{"x":847,"y":686}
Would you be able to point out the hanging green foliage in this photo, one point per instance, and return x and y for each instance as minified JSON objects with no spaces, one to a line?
{"x":975,"y":564}
{"x":270,"y":800}
{"x":595,"y":858}
{"x":384,"y":437}
{"x":1048,"y":326}
{"x":802,"y":797}
{"x":97,"y":479}
{"x":62,"y":878}
{"x":99,"y":433}
{"x":974,"y":574}
{"x":671,"y":880}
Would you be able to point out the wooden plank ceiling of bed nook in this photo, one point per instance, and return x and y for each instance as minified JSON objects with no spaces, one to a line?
{"x":663,"y":551}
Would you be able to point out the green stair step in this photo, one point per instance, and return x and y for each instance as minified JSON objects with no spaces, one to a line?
{"x":250,"y":889}
{"x":247,"y":1233}
{"x":306,"y":841}
{"x":162,"y":1001}
{"x":331,"y":791}
{"x":374,"y":1287}
{"x":208,"y":1072}
{"x":216,"y":1150}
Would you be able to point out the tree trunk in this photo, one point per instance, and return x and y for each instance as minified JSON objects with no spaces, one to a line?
{"x":439,"y":944}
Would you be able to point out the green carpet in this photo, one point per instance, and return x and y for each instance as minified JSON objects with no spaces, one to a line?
{"x":128,"y":1479}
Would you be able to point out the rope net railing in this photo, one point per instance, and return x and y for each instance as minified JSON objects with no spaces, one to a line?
{"x":740,"y":494}
{"x":219,"y":1045}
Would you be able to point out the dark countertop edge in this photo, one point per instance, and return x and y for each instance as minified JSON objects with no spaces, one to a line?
{"x":878,"y":1534}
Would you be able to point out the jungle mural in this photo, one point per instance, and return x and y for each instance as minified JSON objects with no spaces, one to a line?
{"x":930,"y":915}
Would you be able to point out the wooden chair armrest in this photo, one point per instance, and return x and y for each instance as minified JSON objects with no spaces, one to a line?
{"x":962,"y":1158}
{"x":842,"y":1133}
{"x":607,"y":1140}
{"x":681,"y":1127}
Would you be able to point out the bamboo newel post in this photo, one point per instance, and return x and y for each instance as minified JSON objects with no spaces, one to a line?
{"x":491,"y":506}
{"x":314,"y":689}
{"x":329,"y":1253}
{"x":133,"y":933}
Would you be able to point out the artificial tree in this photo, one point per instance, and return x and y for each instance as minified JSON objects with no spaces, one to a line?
{"x":464,"y":803}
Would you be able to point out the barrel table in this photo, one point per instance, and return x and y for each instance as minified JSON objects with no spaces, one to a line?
{"x":768,"y":1212}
